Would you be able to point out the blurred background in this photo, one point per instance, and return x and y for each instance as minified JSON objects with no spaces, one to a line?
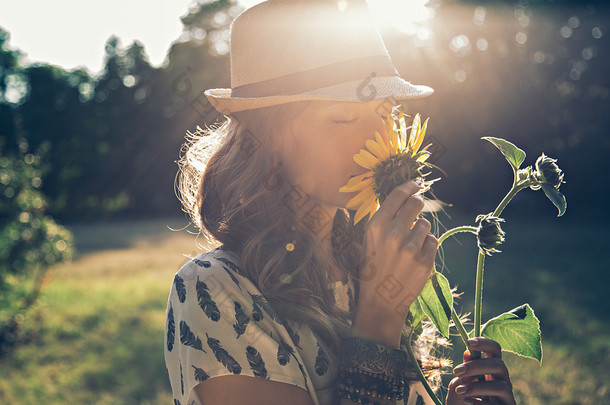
{"x":91,"y":232}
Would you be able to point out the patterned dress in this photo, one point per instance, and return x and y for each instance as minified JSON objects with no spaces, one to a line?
{"x":218,"y":323}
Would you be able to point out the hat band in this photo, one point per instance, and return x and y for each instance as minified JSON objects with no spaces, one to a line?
{"x":329,"y":75}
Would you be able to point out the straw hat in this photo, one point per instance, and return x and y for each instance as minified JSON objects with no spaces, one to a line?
{"x":292,"y":50}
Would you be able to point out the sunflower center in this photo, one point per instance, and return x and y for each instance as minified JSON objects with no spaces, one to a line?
{"x":394,"y":171}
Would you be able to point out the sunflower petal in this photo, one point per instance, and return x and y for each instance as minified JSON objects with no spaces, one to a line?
{"x":420,"y":136}
{"x":359,"y":199}
{"x":423,"y":156}
{"x":359,"y":214}
{"x":365,"y":159}
{"x":390,"y":127}
{"x":403,"y":130}
{"x":377,"y":149}
{"x":374,"y":209}
{"x":354,"y":181}
{"x":357,"y":186}
{"x":414,"y":130}
{"x":394,"y":140}
{"x":365,"y":208}
{"x":383,"y":144}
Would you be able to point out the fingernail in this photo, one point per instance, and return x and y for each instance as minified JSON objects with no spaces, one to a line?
{"x":473,"y":342}
{"x":459,"y":370}
{"x":461,"y":389}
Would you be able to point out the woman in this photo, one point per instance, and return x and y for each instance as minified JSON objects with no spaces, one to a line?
{"x":296,"y":290}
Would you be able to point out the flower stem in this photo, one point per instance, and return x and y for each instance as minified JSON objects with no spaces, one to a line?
{"x":420,"y":373}
{"x":509,"y":196}
{"x":478,"y":299}
{"x":458,"y":229}
{"x":478,"y":295}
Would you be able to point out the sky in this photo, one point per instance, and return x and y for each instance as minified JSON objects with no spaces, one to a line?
{"x":72,"y":33}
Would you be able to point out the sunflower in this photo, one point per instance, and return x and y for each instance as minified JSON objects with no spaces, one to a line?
{"x":389,"y":165}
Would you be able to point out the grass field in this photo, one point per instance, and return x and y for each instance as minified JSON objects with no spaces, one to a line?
{"x":96,"y":335}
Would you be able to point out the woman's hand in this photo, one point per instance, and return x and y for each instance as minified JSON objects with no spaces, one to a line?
{"x":398,"y":262}
{"x":466,"y":389}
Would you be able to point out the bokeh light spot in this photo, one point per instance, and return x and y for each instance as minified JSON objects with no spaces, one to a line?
{"x":460,"y":76}
{"x":565,"y":32}
{"x":479,"y":15}
{"x":61,"y":245}
{"x":596,"y":32}
{"x":573,"y":22}
{"x":538,"y":57}
{"x":482,"y":44}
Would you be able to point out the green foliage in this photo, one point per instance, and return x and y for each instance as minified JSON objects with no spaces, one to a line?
{"x":113,"y":139}
{"x":513,"y":155}
{"x":556,"y":198}
{"x":432,"y":305}
{"x":30,"y":241}
{"x":416,"y":314}
{"x":517,"y":331}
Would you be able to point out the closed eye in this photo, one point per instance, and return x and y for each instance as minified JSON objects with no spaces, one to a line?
{"x":345,"y":122}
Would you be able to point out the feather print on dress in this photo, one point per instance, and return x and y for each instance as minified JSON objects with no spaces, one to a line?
{"x":257,"y":312}
{"x":206,"y":302}
{"x":223,"y":356}
{"x":302,"y":370}
{"x":188,"y":338}
{"x":420,"y":400}
{"x":202,"y":263}
{"x":242,"y":320}
{"x":232,"y":266}
{"x":293,"y":335}
{"x":258,"y":301}
{"x":171,"y":329}
{"x":180,"y":289}
{"x":181,"y":378}
{"x":230,"y":273}
{"x":284,"y":350}
{"x":200,"y":374}
{"x":321,"y":365}
{"x":256,"y":362}
{"x":350,"y":302}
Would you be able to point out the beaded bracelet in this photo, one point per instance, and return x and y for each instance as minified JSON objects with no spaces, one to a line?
{"x":370,"y":370}
{"x":368,"y":385}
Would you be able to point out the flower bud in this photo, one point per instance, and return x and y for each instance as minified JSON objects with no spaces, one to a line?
{"x":489,"y":234}
{"x":548,"y":172}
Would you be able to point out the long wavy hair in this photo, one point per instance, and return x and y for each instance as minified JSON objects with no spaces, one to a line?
{"x":236,"y":192}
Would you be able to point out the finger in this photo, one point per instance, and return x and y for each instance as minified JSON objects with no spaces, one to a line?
{"x":405,"y":219}
{"x":430,"y":246}
{"x":417,"y":235}
{"x":502,"y":390}
{"x":493,"y":366}
{"x":394,"y":201}
{"x":481,"y":344}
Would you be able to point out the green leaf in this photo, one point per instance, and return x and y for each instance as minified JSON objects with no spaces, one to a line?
{"x":556,"y":198}
{"x":517,"y":331}
{"x":433,"y":307}
{"x":514,"y":155}
{"x":416,"y":314}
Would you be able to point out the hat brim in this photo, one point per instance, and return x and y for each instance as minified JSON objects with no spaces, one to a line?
{"x":377,"y":88}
